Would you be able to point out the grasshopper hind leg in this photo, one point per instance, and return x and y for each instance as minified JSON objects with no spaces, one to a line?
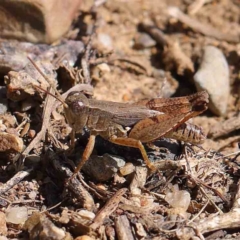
{"x":130,"y":142}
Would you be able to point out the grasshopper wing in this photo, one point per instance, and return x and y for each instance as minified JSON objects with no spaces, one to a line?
{"x":151,"y":129}
{"x":197,"y":101}
{"x":156,"y":108}
{"x":176,"y":112}
{"x":125,"y":114}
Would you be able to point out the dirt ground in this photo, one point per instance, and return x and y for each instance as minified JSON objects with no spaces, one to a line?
{"x":194,"y":194}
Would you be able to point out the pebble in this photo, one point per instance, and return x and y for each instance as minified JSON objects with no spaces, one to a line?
{"x":143,"y":40}
{"x":105,"y":40}
{"x":178,"y":198}
{"x":17,"y":215}
{"x":103,"y":168}
{"x":84,"y":237}
{"x":10,"y":142}
{"x":3,"y":106}
{"x":3,"y":100}
{"x":86,"y":214}
{"x":127,"y":169}
{"x":3,"y":238}
{"x":213,"y":76}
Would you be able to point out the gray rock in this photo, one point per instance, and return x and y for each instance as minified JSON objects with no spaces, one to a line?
{"x":3,"y":100}
{"x":102,"y":168}
{"x":3,"y":106}
{"x":143,"y":40}
{"x":213,"y":76}
{"x":105,"y":40}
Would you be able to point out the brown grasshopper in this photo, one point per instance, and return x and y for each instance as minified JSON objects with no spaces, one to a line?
{"x":131,"y":124}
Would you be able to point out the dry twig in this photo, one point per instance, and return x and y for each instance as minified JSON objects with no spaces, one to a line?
{"x":109,"y":208}
{"x":202,"y":28}
{"x":226,"y":127}
{"x":85,"y":62}
{"x":80,"y":192}
{"x":228,"y":142}
{"x":123,"y":228}
{"x":213,"y":223}
{"x":46,"y":120}
{"x":14,"y":180}
{"x":173,"y":56}
{"x":196,"y":5}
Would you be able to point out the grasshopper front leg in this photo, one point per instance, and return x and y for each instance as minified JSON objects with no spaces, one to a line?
{"x":130,"y":142}
{"x":72,"y":142}
{"x":86,"y":154}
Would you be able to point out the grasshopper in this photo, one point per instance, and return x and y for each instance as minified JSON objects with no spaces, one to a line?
{"x":132,"y":124}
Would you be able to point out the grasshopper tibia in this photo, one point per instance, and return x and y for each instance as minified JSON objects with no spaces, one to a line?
{"x":130,"y":142}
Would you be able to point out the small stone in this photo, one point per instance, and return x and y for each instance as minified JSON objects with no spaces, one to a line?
{"x":27,"y":105}
{"x":40,"y":227}
{"x":37,"y":20}
{"x":31,"y":133}
{"x":10,"y":142}
{"x":3,"y":106}
{"x":178,"y":198}
{"x":2,"y":237}
{"x":84,"y":237}
{"x":213,"y":76}
{"x":32,"y":195}
{"x":3,"y":100}
{"x":103,"y":168}
{"x":86,"y":214}
{"x":17,"y":215}
{"x":143,"y":40}
{"x":127,"y":169}
{"x":105,"y":40}
{"x":140,"y":230}
{"x":104,"y":67}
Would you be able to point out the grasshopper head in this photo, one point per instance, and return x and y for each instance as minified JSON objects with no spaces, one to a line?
{"x":77,"y":111}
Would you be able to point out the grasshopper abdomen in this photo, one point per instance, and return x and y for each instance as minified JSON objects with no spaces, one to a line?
{"x":187,"y":132}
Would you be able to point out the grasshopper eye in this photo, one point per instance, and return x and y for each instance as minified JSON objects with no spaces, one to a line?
{"x":77,"y":106}
{"x":77,"y":102}
{"x":80,"y":104}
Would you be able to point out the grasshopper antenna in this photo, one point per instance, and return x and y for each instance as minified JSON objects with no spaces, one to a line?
{"x":58,"y":97}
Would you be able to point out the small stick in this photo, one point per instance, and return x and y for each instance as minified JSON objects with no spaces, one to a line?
{"x":59,"y":99}
{"x":108,"y":209}
{"x":85,"y":62}
{"x":46,"y":119}
{"x":195,"y":6}
{"x":202,"y":28}
{"x":49,"y":81}
{"x":123,"y":228}
{"x":225,"y":127}
{"x":173,"y":52}
{"x":14,"y":180}
{"x":227,"y":220}
{"x":81,"y":193}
